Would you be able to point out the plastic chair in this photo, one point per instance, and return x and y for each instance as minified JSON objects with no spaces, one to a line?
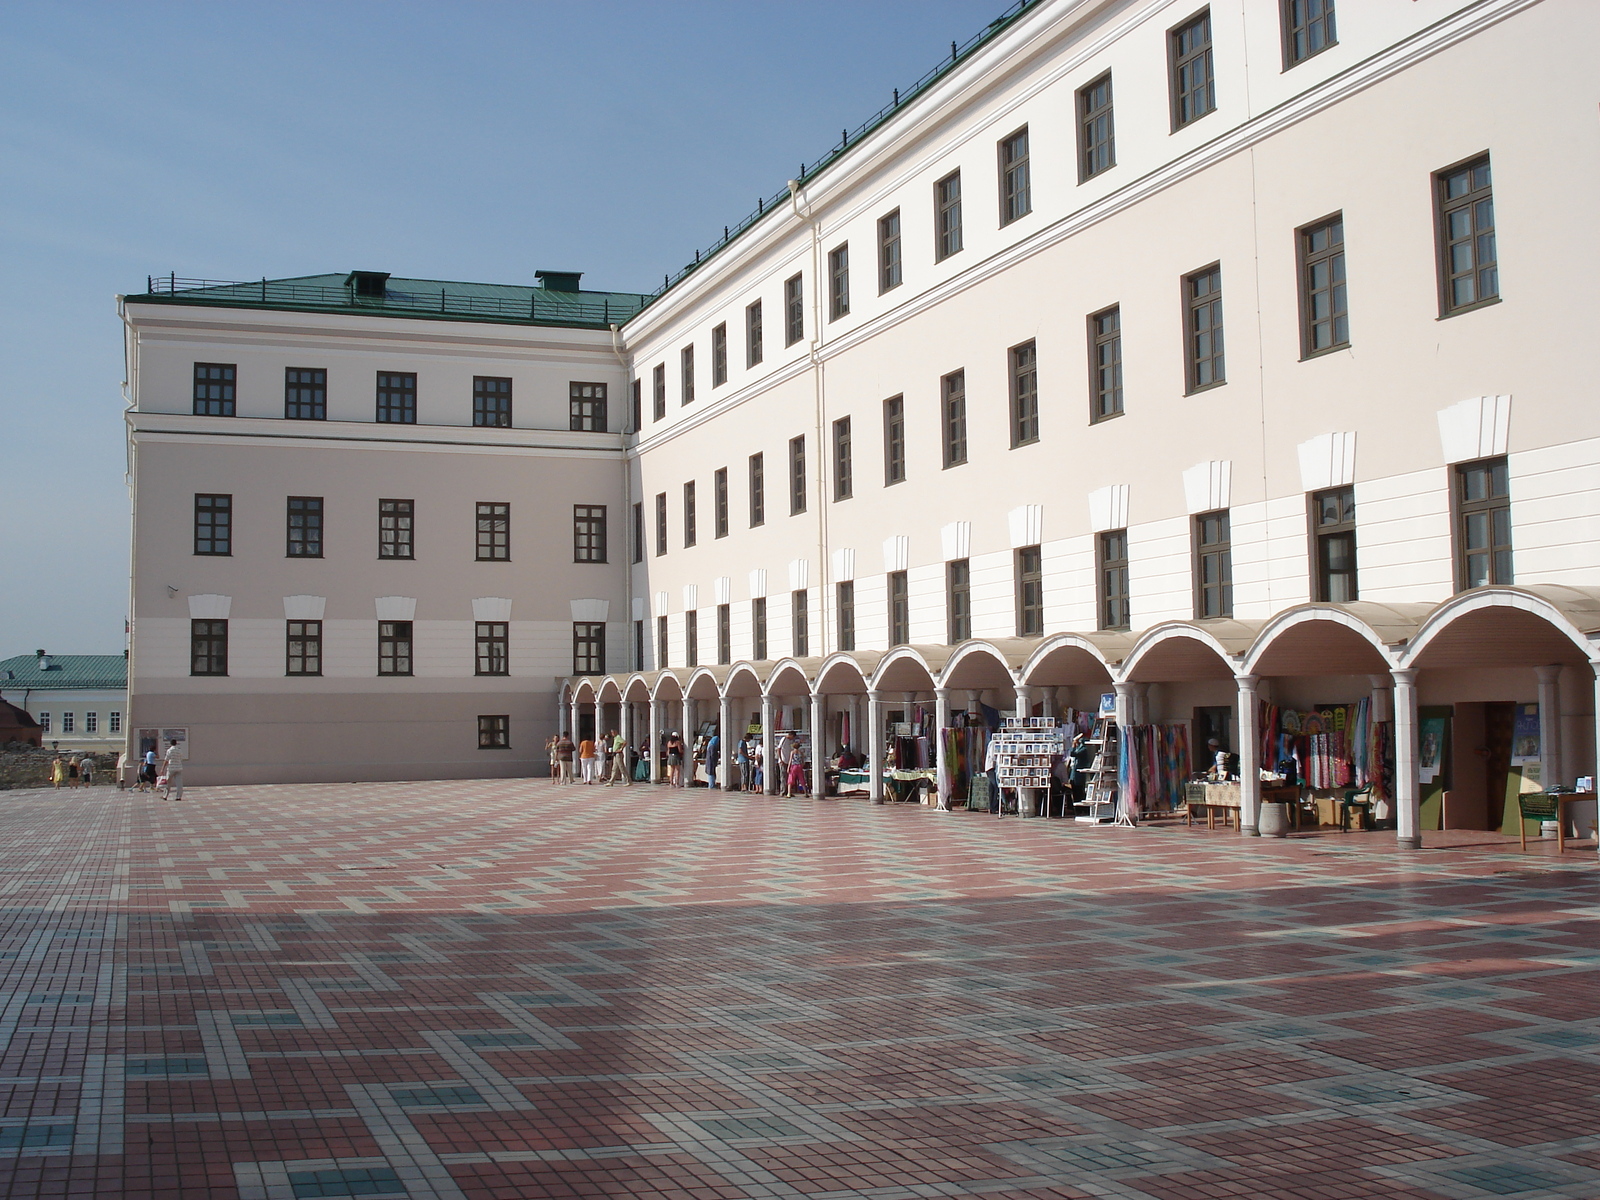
{"x":1362,"y":808}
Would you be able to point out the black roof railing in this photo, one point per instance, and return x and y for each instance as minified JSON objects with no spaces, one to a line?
{"x":848,"y":138}
{"x":597,"y":310}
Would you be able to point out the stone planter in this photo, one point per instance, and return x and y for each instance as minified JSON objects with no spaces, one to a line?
{"x":1274,"y":819}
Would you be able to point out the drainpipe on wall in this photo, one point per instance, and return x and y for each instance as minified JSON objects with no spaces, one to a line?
{"x":820,"y":470}
{"x":627,"y":500}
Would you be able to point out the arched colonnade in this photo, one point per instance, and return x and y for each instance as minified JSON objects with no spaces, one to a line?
{"x":1484,"y":644}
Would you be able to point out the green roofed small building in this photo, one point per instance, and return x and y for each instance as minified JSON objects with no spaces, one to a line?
{"x":79,"y":700}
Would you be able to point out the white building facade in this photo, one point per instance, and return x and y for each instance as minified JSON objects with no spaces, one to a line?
{"x":1209,"y":355}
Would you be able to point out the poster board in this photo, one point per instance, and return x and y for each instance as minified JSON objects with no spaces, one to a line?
{"x":1526,"y":745}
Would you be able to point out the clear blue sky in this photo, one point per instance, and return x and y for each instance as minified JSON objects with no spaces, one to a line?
{"x":452,"y":140}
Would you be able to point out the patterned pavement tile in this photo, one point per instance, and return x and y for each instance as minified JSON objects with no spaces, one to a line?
{"x":476,"y":990}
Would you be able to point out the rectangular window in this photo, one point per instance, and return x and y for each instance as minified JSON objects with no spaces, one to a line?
{"x":638,"y":645}
{"x":797,"y":475}
{"x":1469,"y":272}
{"x":846,"y":594}
{"x":724,"y":633}
{"x":719,"y":500}
{"x":305,"y":394}
{"x":91,"y":722}
{"x":494,"y":732}
{"x":800,"y":621}
{"x":493,"y":651}
{"x":752,"y":334}
{"x":958,"y":600}
{"x":1202,"y":294}
{"x":1213,"y":565}
{"x":208,"y":647}
{"x":894,"y":440}
{"x":1105,"y":363}
{"x":794,"y":310}
{"x":213,"y":389}
{"x":69,"y":722}
{"x":494,"y":532}
{"x":395,"y":519}
{"x":589,"y":533}
{"x":305,"y":527}
{"x":116,"y":721}
{"x":1024,"y":395}
{"x":843,"y":483}
{"x":947,"y":215}
{"x":213,"y":524}
{"x":394,"y":647}
{"x":1324,"y":314}
{"x":586,"y":403}
{"x":1483,"y":523}
{"x":638,"y":532}
{"x":758,"y":490}
{"x":719,"y":355}
{"x":1194,"y":88}
{"x":688,"y":514}
{"x":661,"y":523}
{"x":1016,"y":189}
{"x":838,"y":282}
{"x":1333,"y":536}
{"x":899,"y":609}
{"x":589,"y":648}
{"x":686,"y":375}
{"x":954,"y":405}
{"x":44,"y":722}
{"x":1030,"y":592}
{"x":491,"y":401}
{"x":658,"y":392}
{"x":397,"y":398}
{"x":638,"y":406}
{"x":1308,"y":29}
{"x":889,"y":252}
{"x":1111,"y":551}
{"x":758,"y":627}
{"x":661,"y":642}
{"x":1097,"y":147}
{"x":303,"y":648}
{"x":691,"y":638}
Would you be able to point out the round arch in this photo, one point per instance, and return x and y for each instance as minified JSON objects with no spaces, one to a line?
{"x":1184,"y":651}
{"x":904,"y":669}
{"x":1328,"y":639}
{"x":1065,"y":659}
{"x":787,"y":678}
{"x":842,"y":673}
{"x":976,"y":665}
{"x":1494,"y":627}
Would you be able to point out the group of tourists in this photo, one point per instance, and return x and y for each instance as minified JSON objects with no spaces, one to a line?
{"x":147,"y":772}
{"x":610,"y":760}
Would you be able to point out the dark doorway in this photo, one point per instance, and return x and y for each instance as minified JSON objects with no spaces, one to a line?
{"x":585,"y":725}
{"x":1498,"y":719}
{"x":1212,"y":722}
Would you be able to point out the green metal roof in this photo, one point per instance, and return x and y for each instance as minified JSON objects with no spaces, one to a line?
{"x":433,"y":299}
{"x":102,"y":671}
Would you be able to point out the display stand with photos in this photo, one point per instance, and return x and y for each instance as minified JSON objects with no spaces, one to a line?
{"x":1027,"y":747}
{"x":1100,"y":794}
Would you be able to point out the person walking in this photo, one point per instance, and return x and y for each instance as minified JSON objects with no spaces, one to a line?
{"x":86,"y":770}
{"x":174,"y":766}
{"x":674,"y":760}
{"x":587,"y":759}
{"x":757,"y":766}
{"x":147,"y":773}
{"x":58,"y":771}
{"x":564,"y":752}
{"x":741,"y":767}
{"x":619,"y":760}
{"x":713,"y":758}
{"x":73,"y":780}
{"x":794,"y":781}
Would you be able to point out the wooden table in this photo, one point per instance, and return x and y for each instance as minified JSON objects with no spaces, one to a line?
{"x":1562,"y":799}
{"x":1211,"y":797}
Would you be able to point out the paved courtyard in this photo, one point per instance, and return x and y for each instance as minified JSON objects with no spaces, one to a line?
{"x":510,"y":990}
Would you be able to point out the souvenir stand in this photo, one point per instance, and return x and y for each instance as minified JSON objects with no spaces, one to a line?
{"x":966,"y":744}
{"x":1154,"y":769}
{"x":1027,"y":748}
{"x":1103,"y":776}
{"x":1328,"y":749}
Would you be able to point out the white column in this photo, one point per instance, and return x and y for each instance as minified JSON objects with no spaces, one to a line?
{"x":819,"y":749}
{"x":1052,"y":703}
{"x":1024,"y":700}
{"x":1249,"y":755}
{"x":630,"y":728}
{"x":725,"y":737}
{"x":572,"y":719}
{"x":874,"y":735}
{"x":974,"y":701}
{"x":768,"y":747}
{"x":655,"y":739}
{"x":1407,"y":792}
{"x":941,"y":720}
{"x":599,"y":724}
{"x":1125,"y":701}
{"x":1550,"y":773}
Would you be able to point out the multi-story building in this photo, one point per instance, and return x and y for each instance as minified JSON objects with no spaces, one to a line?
{"x":1203,"y":354}
{"x":77,"y":699}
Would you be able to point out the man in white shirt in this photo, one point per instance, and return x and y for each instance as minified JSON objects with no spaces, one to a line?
{"x":174,"y":765}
